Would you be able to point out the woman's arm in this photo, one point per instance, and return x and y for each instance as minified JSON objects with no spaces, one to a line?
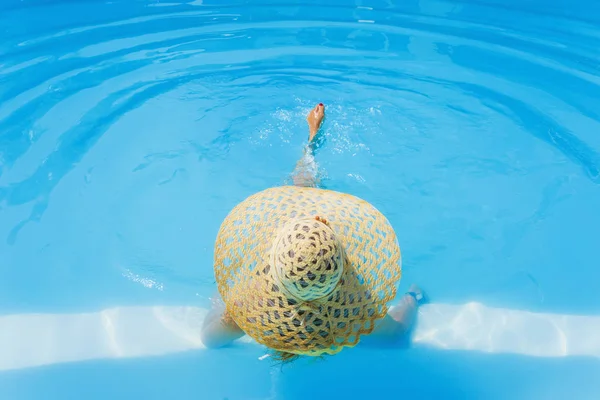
{"x":400,"y":320}
{"x":219,"y":329}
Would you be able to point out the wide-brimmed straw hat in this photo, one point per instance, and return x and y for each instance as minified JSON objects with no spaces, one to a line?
{"x":306,"y":271}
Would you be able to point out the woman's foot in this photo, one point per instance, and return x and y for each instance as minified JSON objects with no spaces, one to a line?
{"x":314,"y":119}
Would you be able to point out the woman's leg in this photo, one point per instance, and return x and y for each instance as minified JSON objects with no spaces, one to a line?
{"x":305,"y":173}
{"x":219,"y":328}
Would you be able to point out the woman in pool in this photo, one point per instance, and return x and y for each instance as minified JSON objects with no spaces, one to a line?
{"x":307,"y":271}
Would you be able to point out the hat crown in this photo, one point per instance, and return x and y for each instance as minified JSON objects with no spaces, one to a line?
{"x":308,"y":259}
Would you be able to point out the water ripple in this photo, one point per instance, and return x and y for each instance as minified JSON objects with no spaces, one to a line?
{"x":82,"y":98}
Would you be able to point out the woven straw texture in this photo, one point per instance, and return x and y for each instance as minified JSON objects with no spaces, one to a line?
{"x":300,"y":298}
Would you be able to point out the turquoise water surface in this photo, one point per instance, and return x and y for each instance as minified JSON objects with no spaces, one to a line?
{"x":129,"y":129}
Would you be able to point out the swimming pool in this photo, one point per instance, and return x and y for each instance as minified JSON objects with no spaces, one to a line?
{"x":128,"y":130}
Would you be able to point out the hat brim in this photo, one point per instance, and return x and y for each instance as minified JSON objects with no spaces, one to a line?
{"x":246,"y":283}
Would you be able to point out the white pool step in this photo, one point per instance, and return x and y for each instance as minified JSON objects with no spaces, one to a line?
{"x":29,"y":340}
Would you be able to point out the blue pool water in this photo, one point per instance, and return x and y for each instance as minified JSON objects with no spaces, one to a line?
{"x":129,"y":129}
